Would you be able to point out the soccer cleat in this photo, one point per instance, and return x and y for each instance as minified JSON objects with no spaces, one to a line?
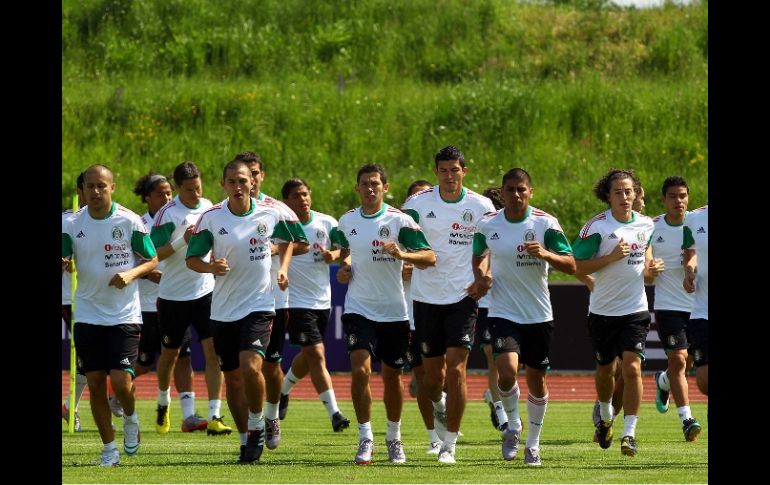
{"x":255,"y":443}
{"x":597,"y":416}
{"x":115,"y":406}
{"x":162,"y":419}
{"x":131,"y":436}
{"x":110,"y":458}
{"x":447,"y":454}
{"x":339,"y":422}
{"x":604,"y":433}
{"x":492,"y":413}
{"x":532,"y":457}
{"x":65,"y":415}
{"x":434,"y":448}
{"x":365,"y":450}
{"x":194,"y":423}
{"x":691,"y":429}
{"x":272,"y":433}
{"x":439,"y":423}
{"x":240,"y":455}
{"x":216,"y":426}
{"x":283,"y":406}
{"x":661,"y":396}
{"x":510,"y":447}
{"x":396,"y":451}
{"x":628,"y":445}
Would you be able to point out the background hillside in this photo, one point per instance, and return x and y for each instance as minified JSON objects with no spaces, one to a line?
{"x":565,"y":90}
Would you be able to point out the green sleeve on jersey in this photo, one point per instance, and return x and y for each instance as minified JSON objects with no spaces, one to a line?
{"x":338,"y":238}
{"x":688,"y":239}
{"x":413,"y":214}
{"x":200,"y":244}
{"x":479,"y":244}
{"x":66,"y":245}
{"x":586,"y":248}
{"x":160,"y":235}
{"x":282,"y":231}
{"x":413,"y":239}
{"x":142,"y":244}
{"x":557,"y":242}
{"x":297,"y":232}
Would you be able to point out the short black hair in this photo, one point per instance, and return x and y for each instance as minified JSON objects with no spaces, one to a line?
{"x":371,"y":168}
{"x":233,"y":165}
{"x":185,"y":171}
{"x":450,"y":153}
{"x":517,"y":174}
{"x":674,"y":181}
{"x":415,"y":184}
{"x":292,"y":184}
{"x":495,"y":194}
{"x":249,"y":157}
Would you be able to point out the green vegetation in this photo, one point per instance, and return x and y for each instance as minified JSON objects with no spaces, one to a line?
{"x":564,"y":90}
{"x":311,"y":453}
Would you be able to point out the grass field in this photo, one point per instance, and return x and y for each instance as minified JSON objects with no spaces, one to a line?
{"x":311,"y":453}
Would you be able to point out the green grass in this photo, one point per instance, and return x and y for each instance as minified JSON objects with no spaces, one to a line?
{"x":311,"y":453}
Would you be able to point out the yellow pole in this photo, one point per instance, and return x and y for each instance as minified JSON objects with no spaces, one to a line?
{"x":73,"y":357}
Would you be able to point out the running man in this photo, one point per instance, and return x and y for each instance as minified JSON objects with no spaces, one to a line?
{"x":696,"y":280}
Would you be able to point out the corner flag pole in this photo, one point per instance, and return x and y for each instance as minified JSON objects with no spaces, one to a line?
{"x":73,"y":358}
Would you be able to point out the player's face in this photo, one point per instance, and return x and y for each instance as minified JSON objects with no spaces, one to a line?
{"x":299,"y":201}
{"x":516,"y":195}
{"x":675,"y":201}
{"x":190,"y":192}
{"x":97,"y":189}
{"x":160,"y":196}
{"x":621,"y":197}
{"x":258,"y":175}
{"x":238,"y":183}
{"x":638,"y":204}
{"x":371,"y":190}
{"x":450,"y":175}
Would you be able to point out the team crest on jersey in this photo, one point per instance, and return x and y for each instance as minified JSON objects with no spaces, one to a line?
{"x":320,"y":235}
{"x":529,"y":236}
{"x":468,"y":216}
{"x":352,"y":340}
{"x":641,"y":236}
{"x":262,"y":229}
{"x":117,"y":233}
{"x":384,"y":232}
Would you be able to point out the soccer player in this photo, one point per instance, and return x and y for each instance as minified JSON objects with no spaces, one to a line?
{"x":444,"y":301}
{"x":523,"y":241}
{"x":414,"y":358}
{"x":309,"y":302}
{"x":673,"y":304}
{"x":155,"y":191}
{"x":375,"y":318}
{"x":107,"y":241}
{"x":696,"y":280}
{"x":276,"y":405}
{"x":614,"y":247}
{"x":184,"y":298}
{"x":237,"y":233}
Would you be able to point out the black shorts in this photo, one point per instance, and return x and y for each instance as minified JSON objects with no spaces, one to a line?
{"x":251,"y":332}
{"x":532,"y":341}
{"x":611,"y":336}
{"x":442,"y":326}
{"x":672,"y":329}
{"x":175,"y":317}
{"x":107,"y":347}
{"x":386,"y":341}
{"x":277,"y":336}
{"x":483,"y":335}
{"x":413,"y":355}
{"x":698,"y":334}
{"x":307,"y":327}
{"x":149,"y":342}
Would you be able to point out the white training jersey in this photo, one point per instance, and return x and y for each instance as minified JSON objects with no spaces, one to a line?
{"x":103,"y":248}
{"x":696,"y":229}
{"x":148,"y":291}
{"x":667,"y":244}
{"x":244,"y":241}
{"x":619,"y":286}
{"x":376,"y":290}
{"x":309,"y":283}
{"x":179,"y":283}
{"x":449,"y":228}
{"x":66,"y":277}
{"x":520,"y":289}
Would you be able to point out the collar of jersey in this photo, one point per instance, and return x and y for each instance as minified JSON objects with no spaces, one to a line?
{"x":376,"y":214}
{"x":529,"y":211}
{"x":309,"y":220}
{"x":462,"y":196}
{"x":252,"y":204}
{"x":113,"y":208}
{"x":191,"y":208}
{"x":633,"y":217}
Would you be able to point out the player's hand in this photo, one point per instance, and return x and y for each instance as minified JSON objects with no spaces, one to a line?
{"x":406,"y":272}
{"x":479,"y":287}
{"x":344,"y":274}
{"x":120,"y":280}
{"x":534,"y":249}
{"x":391,"y":248}
{"x":655,"y":267}
{"x":220,"y":267}
{"x":188,"y":232}
{"x":689,"y":279}
{"x":154,"y":276}
{"x":621,"y":250}
{"x":327,"y":255}
{"x":283,"y":280}
{"x":66,"y":265}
